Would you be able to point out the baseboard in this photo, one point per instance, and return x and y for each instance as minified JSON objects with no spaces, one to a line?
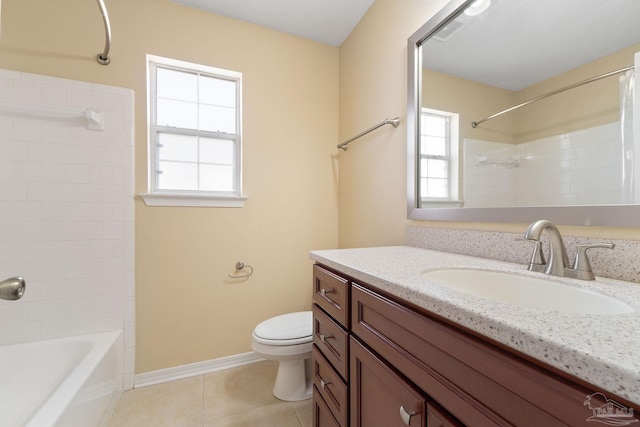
{"x":194,"y":369}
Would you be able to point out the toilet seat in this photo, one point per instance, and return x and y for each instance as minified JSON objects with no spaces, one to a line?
{"x":288,"y":339}
{"x":286,"y":329}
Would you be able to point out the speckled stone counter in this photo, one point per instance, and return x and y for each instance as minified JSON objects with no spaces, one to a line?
{"x":620,"y":263}
{"x":603,"y":350}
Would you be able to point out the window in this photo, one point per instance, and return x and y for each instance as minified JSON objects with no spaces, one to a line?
{"x":194,"y":135}
{"x":438,"y":156}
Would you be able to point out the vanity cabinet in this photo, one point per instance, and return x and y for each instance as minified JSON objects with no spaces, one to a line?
{"x":407,"y":366}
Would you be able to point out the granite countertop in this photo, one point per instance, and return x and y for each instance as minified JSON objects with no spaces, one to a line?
{"x":603,"y":350}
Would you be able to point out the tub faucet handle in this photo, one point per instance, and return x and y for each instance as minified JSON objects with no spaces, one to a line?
{"x":12,"y":288}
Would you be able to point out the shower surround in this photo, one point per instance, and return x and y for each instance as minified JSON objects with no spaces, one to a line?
{"x":66,"y":210}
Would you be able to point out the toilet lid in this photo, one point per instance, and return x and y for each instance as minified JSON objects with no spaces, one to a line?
{"x":283,"y":329}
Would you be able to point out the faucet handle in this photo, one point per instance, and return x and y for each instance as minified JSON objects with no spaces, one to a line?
{"x":582,"y":260}
{"x":537,"y":257}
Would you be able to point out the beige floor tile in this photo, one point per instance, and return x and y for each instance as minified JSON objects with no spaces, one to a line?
{"x":279,"y":414}
{"x":172,"y":404}
{"x":239,"y":397}
{"x":238,"y":390}
{"x":304,"y":410}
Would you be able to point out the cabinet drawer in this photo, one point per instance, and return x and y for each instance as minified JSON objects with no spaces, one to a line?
{"x":331,"y":292}
{"x":480,"y":384}
{"x":321,"y":414}
{"x":330,"y":386}
{"x":332,"y":341}
{"x":381,"y":397}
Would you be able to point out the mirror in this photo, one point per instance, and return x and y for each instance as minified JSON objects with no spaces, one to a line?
{"x":522,"y":109}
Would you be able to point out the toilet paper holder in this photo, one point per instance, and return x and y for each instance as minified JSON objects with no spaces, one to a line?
{"x":239,"y":267}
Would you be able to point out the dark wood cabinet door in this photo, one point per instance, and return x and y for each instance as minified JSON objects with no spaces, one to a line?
{"x":321,"y":414}
{"x":380,"y":397}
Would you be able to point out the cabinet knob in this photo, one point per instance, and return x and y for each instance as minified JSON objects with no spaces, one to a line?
{"x":323,"y":383}
{"x":406,"y":415}
{"x":324,"y":337}
{"x":324,"y":292}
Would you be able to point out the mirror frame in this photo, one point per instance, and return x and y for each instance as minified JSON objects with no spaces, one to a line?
{"x":601,"y":215}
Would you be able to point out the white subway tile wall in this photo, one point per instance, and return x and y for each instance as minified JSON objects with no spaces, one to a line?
{"x":486,"y":184}
{"x":577,"y":168}
{"x":66,"y":211}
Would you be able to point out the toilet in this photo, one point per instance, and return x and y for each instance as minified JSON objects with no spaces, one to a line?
{"x":288,"y":339}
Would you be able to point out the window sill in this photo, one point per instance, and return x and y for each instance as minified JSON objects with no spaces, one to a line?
{"x":193,"y":200}
{"x":441,"y":203}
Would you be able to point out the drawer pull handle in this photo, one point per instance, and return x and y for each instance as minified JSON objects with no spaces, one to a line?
{"x":406,"y":416}
{"x":324,"y":337}
{"x":324,"y":384}
{"x":324,"y":292}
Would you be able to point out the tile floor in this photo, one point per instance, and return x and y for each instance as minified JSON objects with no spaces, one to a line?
{"x":239,"y":397}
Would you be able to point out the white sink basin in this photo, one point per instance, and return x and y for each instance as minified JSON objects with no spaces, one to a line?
{"x":527,"y":291}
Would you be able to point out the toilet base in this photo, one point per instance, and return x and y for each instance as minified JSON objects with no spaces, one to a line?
{"x":293,"y":381}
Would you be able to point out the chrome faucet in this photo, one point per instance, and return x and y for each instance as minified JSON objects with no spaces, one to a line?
{"x":558,"y":264}
{"x":558,"y":259}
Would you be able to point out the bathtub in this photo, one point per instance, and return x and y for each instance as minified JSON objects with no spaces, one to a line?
{"x":61,"y":382}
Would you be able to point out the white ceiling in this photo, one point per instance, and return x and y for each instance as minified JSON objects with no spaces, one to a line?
{"x":515,"y":44}
{"x":542,"y":37}
{"x":325,"y":21}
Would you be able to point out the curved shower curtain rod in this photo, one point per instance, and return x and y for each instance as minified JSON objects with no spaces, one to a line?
{"x":554,"y":92}
{"x":103,"y":58}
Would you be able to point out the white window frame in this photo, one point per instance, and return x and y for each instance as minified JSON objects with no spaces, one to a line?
{"x":165,"y":197}
{"x":452,"y":158}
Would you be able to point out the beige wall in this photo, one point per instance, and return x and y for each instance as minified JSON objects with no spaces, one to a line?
{"x":471,"y":100}
{"x":187,"y":310}
{"x":373,"y":172}
{"x":586,"y":106}
{"x":373,"y":86}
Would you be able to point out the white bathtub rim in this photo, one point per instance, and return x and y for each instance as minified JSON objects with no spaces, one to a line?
{"x":54,"y":407}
